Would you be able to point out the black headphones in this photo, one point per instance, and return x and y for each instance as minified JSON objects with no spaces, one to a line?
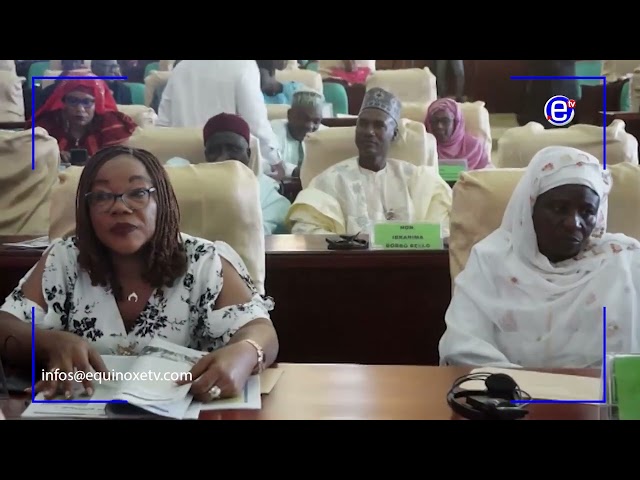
{"x":494,"y":403}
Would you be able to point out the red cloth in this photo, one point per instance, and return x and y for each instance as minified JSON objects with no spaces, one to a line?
{"x":109,"y":126}
{"x":359,"y":75}
{"x":226,"y":122}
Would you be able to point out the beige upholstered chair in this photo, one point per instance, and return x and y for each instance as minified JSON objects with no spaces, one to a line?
{"x":277,"y":111}
{"x":168,"y":142}
{"x":480,"y":198}
{"x":144,"y":117}
{"x":518,"y":145}
{"x":11,"y":97}
{"x":615,"y":69}
{"x":25,"y":193}
{"x":218,"y":201}
{"x":327,"y":147}
{"x":409,"y":85}
{"x":152,"y":82}
{"x":475,"y":114}
{"x":309,"y":78}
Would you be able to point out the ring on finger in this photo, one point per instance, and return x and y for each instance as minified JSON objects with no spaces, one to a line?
{"x":215,"y":392}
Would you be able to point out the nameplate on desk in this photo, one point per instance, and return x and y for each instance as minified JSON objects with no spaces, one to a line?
{"x":450,"y":169}
{"x":407,"y":236}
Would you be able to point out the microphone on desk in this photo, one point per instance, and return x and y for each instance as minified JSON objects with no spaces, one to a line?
{"x":494,"y":403}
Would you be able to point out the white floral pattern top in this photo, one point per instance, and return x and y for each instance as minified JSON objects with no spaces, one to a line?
{"x":183,"y":314}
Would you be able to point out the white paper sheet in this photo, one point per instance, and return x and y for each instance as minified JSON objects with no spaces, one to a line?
{"x":546,"y":386}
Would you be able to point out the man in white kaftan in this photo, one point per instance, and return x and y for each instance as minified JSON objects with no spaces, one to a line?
{"x":304,"y":117}
{"x":200,"y":89}
{"x":355,"y":194}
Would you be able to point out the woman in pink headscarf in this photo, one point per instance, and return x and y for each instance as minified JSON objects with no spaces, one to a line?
{"x":445,"y":122}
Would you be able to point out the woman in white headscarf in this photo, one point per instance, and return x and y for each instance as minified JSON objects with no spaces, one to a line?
{"x":533,"y":291}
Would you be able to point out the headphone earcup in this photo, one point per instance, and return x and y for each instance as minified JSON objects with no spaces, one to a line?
{"x":462,"y":408}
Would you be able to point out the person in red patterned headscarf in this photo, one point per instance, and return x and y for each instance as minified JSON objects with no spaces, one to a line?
{"x":82,"y":114}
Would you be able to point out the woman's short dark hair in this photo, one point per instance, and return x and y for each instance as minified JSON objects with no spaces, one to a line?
{"x":164,"y":255}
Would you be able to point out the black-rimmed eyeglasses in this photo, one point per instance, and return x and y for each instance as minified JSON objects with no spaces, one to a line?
{"x":135,"y":199}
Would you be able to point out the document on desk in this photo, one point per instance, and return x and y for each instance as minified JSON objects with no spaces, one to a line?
{"x":148,"y":383}
{"x":546,"y":386}
{"x":35,"y":243}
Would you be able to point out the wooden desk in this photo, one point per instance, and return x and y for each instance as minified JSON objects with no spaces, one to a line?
{"x":369,"y":307}
{"x":365,"y":392}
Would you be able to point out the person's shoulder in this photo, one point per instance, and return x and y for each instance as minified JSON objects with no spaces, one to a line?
{"x":63,"y":252}
{"x":200,"y":249}
{"x":344,"y":165}
{"x":340,"y":169}
{"x":197,"y":248}
{"x":405,"y":167}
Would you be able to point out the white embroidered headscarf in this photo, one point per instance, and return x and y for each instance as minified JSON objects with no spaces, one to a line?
{"x":513,"y":307}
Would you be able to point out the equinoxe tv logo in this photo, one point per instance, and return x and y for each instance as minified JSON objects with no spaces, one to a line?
{"x":559,"y":110}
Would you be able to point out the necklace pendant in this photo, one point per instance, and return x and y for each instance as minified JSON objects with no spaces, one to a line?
{"x":133,"y":297}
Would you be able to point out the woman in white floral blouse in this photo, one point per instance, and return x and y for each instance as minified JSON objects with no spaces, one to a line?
{"x":129,"y":275}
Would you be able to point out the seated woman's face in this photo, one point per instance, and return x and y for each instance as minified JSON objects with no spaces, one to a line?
{"x":79,"y":108}
{"x":442,"y":125}
{"x":123,"y":225}
{"x":563,"y":219}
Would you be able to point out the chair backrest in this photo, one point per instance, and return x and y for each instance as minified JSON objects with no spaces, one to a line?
{"x":310,"y":79}
{"x":480,"y":198}
{"x":218,"y":201}
{"x":11,"y":97}
{"x":144,"y":117}
{"x":37,"y":69}
{"x":324,"y":148}
{"x":25,"y":193}
{"x":614,"y":69}
{"x":168,"y":142}
{"x":137,"y":92}
{"x":409,"y":85}
{"x":517,"y":146}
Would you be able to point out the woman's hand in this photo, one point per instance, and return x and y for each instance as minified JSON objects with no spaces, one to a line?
{"x":222,"y":373}
{"x":66,"y":353}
